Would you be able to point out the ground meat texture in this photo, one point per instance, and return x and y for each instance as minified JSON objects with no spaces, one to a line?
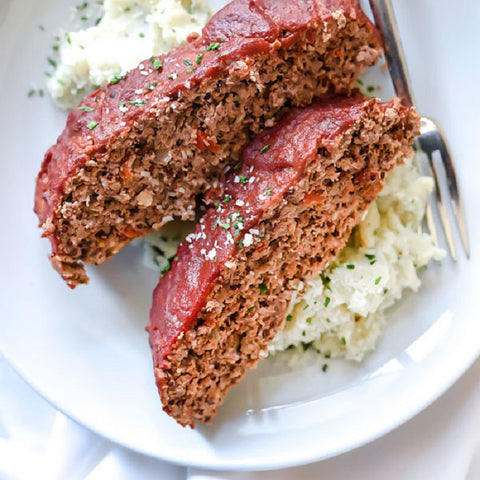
{"x":286,"y":212}
{"x":137,"y":152}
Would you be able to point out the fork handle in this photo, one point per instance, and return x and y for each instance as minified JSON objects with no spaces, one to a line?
{"x":387,"y":25}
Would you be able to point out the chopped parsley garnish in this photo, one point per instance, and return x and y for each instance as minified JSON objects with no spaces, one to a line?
{"x":55,"y":48}
{"x":370,"y":88}
{"x":213,"y":46}
{"x":52,"y":62}
{"x":121,"y":105}
{"x":151,"y":86}
{"x":166,"y":268}
{"x":85,"y":109}
{"x":359,"y":82}
{"x":156,"y":62}
{"x":136,"y":103}
{"x":289,"y":318}
{"x":141,"y":35}
{"x":238,"y":166}
{"x":91,"y":125}
{"x":198,"y":60}
{"x":31,"y":92}
{"x":116,"y":78}
{"x":83,"y":18}
{"x":324,"y":367}
{"x":227,"y":199}
{"x":83,"y":6}
{"x":191,"y":69}
{"x":327,"y":301}
{"x":172,"y":76}
{"x":344,"y":342}
{"x":269,"y":191}
{"x":251,"y":309}
{"x":263,"y":288}
{"x":243,"y":179}
{"x":350,"y":266}
{"x":370,"y":256}
{"x":236,"y":99}
{"x":377,"y":280}
{"x":264,"y":149}
{"x":238,"y":224}
{"x":97,"y":21}
{"x":187,"y":63}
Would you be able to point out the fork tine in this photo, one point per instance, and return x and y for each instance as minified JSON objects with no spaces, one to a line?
{"x":441,"y":208}
{"x":455,"y":199}
{"x":431,"y":228}
{"x":431,"y":224}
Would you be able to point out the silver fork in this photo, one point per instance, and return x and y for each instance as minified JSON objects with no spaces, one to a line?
{"x":431,"y":139}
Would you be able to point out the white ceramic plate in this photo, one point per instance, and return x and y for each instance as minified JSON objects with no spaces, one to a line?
{"x":87,"y":352}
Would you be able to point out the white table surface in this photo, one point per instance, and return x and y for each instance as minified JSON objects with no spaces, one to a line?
{"x":37,"y":442}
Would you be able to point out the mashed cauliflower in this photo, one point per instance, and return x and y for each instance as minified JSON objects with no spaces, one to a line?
{"x":129,"y":32}
{"x":342,"y":312}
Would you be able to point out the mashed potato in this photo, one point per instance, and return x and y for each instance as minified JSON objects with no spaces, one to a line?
{"x":342,"y":312}
{"x":129,"y":32}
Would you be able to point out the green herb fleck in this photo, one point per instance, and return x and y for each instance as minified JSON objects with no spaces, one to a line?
{"x":289,"y":318}
{"x":156,"y":62}
{"x":55,"y":48}
{"x":213,"y":46}
{"x":191,"y":69}
{"x":263,"y":288}
{"x":350,"y":266}
{"x":151,"y":86}
{"x":251,"y":309}
{"x":238,"y":166}
{"x":324,"y":367}
{"x":141,"y":35}
{"x":83,"y":6}
{"x":344,"y":342}
{"x":116,"y":78}
{"x":370,"y":256}
{"x":85,"y":109}
{"x":83,"y":18}
{"x":31,"y":92}
{"x":377,"y":280}
{"x":198,"y":60}
{"x":370,"y":88}
{"x":172,"y":76}
{"x":327,"y":301}
{"x":52,"y":62}
{"x":236,"y":99}
{"x":227,"y":199}
{"x":187,"y":63}
{"x":269,"y":191}
{"x":264,"y":149}
{"x":243,"y":179}
{"x":91,"y":125}
{"x":136,"y":103}
{"x":97,"y":21}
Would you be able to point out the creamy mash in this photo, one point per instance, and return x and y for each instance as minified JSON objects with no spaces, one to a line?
{"x":342,"y":312}
{"x":129,"y":32}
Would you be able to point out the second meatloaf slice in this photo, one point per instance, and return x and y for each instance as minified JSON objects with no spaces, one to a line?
{"x":286,"y":212}
{"x":138,"y":151}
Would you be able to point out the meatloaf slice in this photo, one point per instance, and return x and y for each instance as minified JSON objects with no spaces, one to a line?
{"x":286,"y":212}
{"x":137,"y":152}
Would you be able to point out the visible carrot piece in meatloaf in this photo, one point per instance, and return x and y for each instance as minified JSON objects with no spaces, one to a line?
{"x":302,"y":186}
{"x":137,"y":152}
